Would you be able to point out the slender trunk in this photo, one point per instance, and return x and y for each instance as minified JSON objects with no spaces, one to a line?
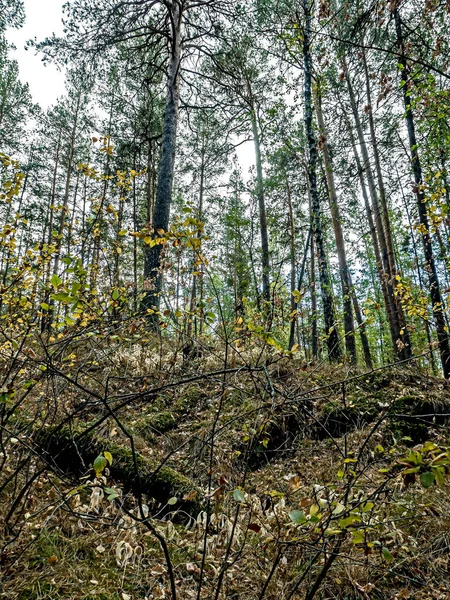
{"x":362,"y":327}
{"x":161,"y":213}
{"x":262,"y":211}
{"x":46,"y":251}
{"x":376,"y":160}
{"x":252,"y":263}
{"x":135,"y":227}
{"x":97,"y":225}
{"x":150,"y":183}
{"x":64,"y":210}
{"x":399,"y":333}
{"x":193,"y":305}
{"x":72,"y":218}
{"x":419,"y":274}
{"x":314,"y":335}
{"x":294,"y":304}
{"x":334,"y":352}
{"x":293,"y":309}
{"x":344,"y":271}
{"x":5,"y":261}
{"x":430,"y":265}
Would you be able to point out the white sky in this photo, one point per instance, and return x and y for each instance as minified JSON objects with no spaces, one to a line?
{"x":43,"y":17}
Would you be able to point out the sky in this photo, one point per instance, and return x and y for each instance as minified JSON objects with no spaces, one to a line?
{"x":43,"y":17}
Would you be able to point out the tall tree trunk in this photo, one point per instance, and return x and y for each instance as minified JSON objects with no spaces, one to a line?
{"x":399,"y":333}
{"x":262,"y":210}
{"x":293,"y":310}
{"x":65,"y":206}
{"x":362,"y":327}
{"x":192,"y":323}
{"x":344,"y":271}
{"x":419,"y":274}
{"x":376,"y":159}
{"x":334,"y":351}
{"x":314,"y":336}
{"x":430,"y":265}
{"x":135,"y":227}
{"x":161,"y":213}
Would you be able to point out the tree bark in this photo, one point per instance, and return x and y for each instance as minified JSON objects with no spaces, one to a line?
{"x":262,"y":211}
{"x":430,"y":265}
{"x":334,"y":351}
{"x":344,"y":271}
{"x":160,"y":218}
{"x":399,"y":333}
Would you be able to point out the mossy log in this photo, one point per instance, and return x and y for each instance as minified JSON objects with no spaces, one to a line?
{"x":153,"y":425}
{"x":71,"y":451}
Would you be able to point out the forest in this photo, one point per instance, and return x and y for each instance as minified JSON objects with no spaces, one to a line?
{"x":225,"y":302}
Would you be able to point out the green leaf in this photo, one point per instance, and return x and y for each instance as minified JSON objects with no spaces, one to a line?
{"x":172,"y":501}
{"x":411,"y":470}
{"x":297,"y":517}
{"x":61,"y":297}
{"x":115,"y":294}
{"x":415,"y":458}
{"x":386,"y":554}
{"x":99,"y":464}
{"x":108,"y":457}
{"x":344,"y":523}
{"x":367,"y":507}
{"x":358,"y":536}
{"x":55,"y":280}
{"x":340,"y":508}
{"x":439,"y":473}
{"x":427,"y":479}
{"x":238,"y":495}
{"x":112,"y":494}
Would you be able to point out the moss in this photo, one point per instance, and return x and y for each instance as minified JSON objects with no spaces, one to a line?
{"x":158,"y":483}
{"x":43,"y":591}
{"x":191,"y":398}
{"x":338,"y":420}
{"x":153,"y":425}
{"x":411,"y":416}
{"x":274,"y":440}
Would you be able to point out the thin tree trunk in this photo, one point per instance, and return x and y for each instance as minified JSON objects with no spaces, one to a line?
{"x":293,"y":310}
{"x":135,"y":227}
{"x":334,"y":351}
{"x":430,"y":265}
{"x":362,"y":327}
{"x":262,"y":211}
{"x":419,"y":274}
{"x":344,"y":271}
{"x":376,"y":160}
{"x":399,"y":333}
{"x":47,"y":322}
{"x":192,"y":323}
{"x":314,"y":335}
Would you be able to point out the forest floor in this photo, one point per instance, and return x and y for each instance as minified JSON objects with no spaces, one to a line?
{"x":264,"y":478}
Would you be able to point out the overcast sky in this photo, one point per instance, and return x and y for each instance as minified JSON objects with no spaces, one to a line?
{"x":43,"y":17}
